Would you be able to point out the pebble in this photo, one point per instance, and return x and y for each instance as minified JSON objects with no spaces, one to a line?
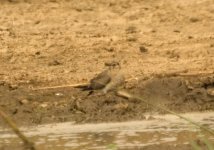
{"x":24,"y":101}
{"x":54,"y":63}
{"x":193,"y":19}
{"x":43,"y":105}
{"x":143,"y":49}
{"x":210,"y":91}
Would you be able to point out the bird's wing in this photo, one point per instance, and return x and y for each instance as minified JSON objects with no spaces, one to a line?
{"x":100,"y":81}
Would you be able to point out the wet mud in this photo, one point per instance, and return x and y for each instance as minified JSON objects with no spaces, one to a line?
{"x":163,"y":132}
{"x":179,"y":94}
{"x":49,"y":43}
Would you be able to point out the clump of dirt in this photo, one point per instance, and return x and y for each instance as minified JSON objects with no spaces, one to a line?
{"x":178,"y":94}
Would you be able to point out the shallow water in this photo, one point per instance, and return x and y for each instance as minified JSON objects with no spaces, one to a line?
{"x":158,"y":129}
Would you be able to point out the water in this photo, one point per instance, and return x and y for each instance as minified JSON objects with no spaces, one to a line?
{"x":160,"y":129}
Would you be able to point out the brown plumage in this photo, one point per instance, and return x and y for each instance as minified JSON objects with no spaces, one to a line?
{"x":106,"y":81}
{"x":117,"y":80}
{"x":99,"y":82}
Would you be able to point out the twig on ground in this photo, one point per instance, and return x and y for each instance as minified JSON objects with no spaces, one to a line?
{"x":27,"y":143}
{"x":72,"y":85}
{"x":196,"y":74}
{"x":61,"y":86}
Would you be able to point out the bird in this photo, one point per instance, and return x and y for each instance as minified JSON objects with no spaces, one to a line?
{"x":99,"y":81}
{"x":106,"y":81}
{"x":117,"y":80}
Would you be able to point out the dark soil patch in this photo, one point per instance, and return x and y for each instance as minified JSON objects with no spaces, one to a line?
{"x":179,"y":94}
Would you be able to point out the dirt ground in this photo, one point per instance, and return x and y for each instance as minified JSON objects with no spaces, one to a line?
{"x":166,"y":47}
{"x":55,"y":43}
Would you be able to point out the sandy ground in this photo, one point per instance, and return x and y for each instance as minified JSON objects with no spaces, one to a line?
{"x":58,"y":42}
{"x":66,"y":42}
{"x":54,"y":43}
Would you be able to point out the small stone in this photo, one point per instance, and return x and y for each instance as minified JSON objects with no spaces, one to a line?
{"x":193,"y":19}
{"x":24,"y":101}
{"x":153,"y":31}
{"x":143,"y":49}
{"x":43,"y":105}
{"x":59,"y":94}
{"x":190,"y":37}
{"x":111,"y":4}
{"x":112,"y":63}
{"x":210,"y":91}
{"x":177,"y":31}
{"x":13,"y":87}
{"x":38,"y":53}
{"x":131,"y":39}
{"x":131,"y":29}
{"x":54,"y":63}
{"x":109,"y":49}
{"x":37,"y":22}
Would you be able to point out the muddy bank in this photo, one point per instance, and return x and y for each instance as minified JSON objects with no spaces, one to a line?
{"x":179,"y":94}
{"x":52,"y":42}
